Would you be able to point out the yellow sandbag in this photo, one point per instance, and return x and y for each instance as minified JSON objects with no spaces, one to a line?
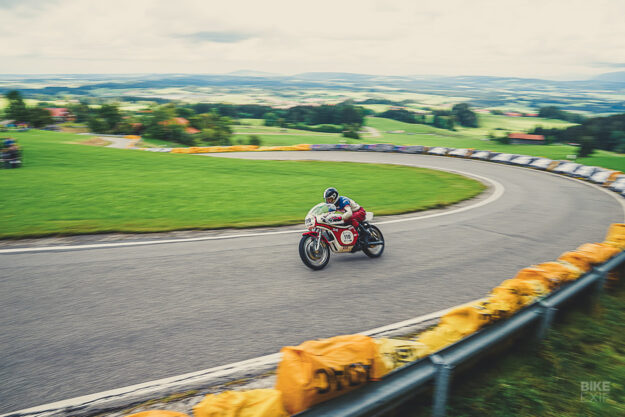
{"x":611,"y":178}
{"x":158,"y":413}
{"x":439,"y":337}
{"x":302,"y":147}
{"x":517,"y":293}
{"x":579,"y":259}
{"x":508,"y":292}
{"x":553,"y":165}
{"x":319,"y":370}
{"x":396,"y":353}
{"x":536,"y":273}
{"x":500,"y":306}
{"x":564,"y":270}
{"x":254,"y":403}
{"x":616,"y":235}
{"x":598,"y":253}
{"x":468,"y":318}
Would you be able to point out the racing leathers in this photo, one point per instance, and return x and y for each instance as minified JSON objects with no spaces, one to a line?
{"x":353,"y":213}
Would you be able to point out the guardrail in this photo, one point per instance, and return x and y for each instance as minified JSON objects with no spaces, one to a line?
{"x":402,"y":384}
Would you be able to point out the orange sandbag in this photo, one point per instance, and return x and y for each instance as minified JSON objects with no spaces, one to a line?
{"x":564,"y":270}
{"x":319,"y":370}
{"x":536,"y":273}
{"x":254,"y":403}
{"x":598,"y":253}
{"x":616,"y":235}
{"x":579,"y":259}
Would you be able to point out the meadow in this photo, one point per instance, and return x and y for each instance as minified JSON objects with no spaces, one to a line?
{"x":66,"y":187}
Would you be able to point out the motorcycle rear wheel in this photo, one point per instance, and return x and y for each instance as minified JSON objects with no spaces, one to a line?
{"x":374,"y":251}
{"x":313,"y":258}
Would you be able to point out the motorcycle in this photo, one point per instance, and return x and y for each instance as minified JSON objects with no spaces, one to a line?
{"x":327,"y":233}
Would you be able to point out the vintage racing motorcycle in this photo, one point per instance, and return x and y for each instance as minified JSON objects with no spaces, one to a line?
{"x":327,"y":233}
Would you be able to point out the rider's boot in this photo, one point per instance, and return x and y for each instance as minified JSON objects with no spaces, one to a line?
{"x":364,"y":233}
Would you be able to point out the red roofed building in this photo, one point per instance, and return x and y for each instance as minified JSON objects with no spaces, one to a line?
{"x":522,"y":138}
{"x":513,"y":114}
{"x":60,"y":114}
{"x":183,"y":122}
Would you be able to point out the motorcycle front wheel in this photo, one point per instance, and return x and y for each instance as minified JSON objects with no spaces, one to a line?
{"x":311,"y":256}
{"x":373,"y":251}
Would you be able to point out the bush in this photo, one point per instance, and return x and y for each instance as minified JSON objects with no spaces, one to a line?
{"x":254,"y":140}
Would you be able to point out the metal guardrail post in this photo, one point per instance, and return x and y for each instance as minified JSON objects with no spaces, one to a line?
{"x":547,"y":314}
{"x":441,"y":385}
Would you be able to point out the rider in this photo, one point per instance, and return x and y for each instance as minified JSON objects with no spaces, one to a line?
{"x":353,"y":213}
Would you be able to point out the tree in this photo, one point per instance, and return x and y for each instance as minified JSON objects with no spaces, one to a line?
{"x":464,"y":115}
{"x":271,"y":119}
{"x":39,"y":117}
{"x":17,"y":109}
{"x":586,"y":147}
{"x":351,"y":131}
{"x":81,"y":112}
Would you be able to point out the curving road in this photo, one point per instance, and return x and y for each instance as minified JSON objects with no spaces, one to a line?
{"x":74,"y":322}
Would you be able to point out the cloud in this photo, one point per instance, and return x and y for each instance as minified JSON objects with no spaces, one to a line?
{"x":218,"y":37}
{"x":13,"y":4}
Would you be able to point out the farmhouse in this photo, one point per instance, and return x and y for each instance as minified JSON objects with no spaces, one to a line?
{"x":60,"y":114}
{"x":183,"y":122}
{"x":522,"y":138}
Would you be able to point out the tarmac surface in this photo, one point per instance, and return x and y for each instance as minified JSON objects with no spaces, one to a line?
{"x":79,"y":321}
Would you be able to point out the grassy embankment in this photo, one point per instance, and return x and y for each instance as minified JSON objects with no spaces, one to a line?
{"x":586,"y":344}
{"x":65,"y":188}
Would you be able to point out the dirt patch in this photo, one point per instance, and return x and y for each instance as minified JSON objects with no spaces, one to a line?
{"x":95,"y":142}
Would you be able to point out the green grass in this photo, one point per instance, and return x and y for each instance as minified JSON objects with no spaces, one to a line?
{"x":586,"y":346}
{"x":65,"y":188}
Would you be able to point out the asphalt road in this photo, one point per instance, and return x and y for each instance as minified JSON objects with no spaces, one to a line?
{"x":76,"y":322}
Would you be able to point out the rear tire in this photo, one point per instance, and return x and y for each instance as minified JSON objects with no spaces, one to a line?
{"x":314,"y":259}
{"x":374,"y":251}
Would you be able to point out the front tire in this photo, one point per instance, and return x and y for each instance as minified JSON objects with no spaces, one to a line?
{"x":374,"y":251}
{"x":312,"y":258}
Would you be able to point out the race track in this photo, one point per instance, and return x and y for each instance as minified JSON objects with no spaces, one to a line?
{"x":74,"y":322}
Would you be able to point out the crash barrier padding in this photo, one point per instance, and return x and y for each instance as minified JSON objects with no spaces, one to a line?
{"x":253,"y":403}
{"x":469,"y":318}
{"x":158,"y":413}
{"x":319,"y":370}
{"x":396,"y":353}
{"x":240,"y":148}
{"x":616,"y":235}
{"x":579,"y":259}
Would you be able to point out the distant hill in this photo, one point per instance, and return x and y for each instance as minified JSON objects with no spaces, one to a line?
{"x":614,"y":77}
{"x":251,"y":73}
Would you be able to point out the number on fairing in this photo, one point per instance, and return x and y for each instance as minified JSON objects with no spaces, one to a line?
{"x":347,"y":237}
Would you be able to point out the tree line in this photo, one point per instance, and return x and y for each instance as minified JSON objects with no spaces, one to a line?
{"x":607,"y":133}
{"x":444,"y":119}
{"x":204,"y":123}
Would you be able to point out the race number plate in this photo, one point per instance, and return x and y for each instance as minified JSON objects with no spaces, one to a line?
{"x":347,"y":237}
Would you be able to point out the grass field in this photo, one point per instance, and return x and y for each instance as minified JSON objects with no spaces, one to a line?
{"x":66,"y":188}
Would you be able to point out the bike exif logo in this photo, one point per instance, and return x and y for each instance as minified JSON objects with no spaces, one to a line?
{"x":594,"y":391}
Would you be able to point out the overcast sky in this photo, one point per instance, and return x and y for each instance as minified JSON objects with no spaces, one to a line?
{"x":558,"y":39}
